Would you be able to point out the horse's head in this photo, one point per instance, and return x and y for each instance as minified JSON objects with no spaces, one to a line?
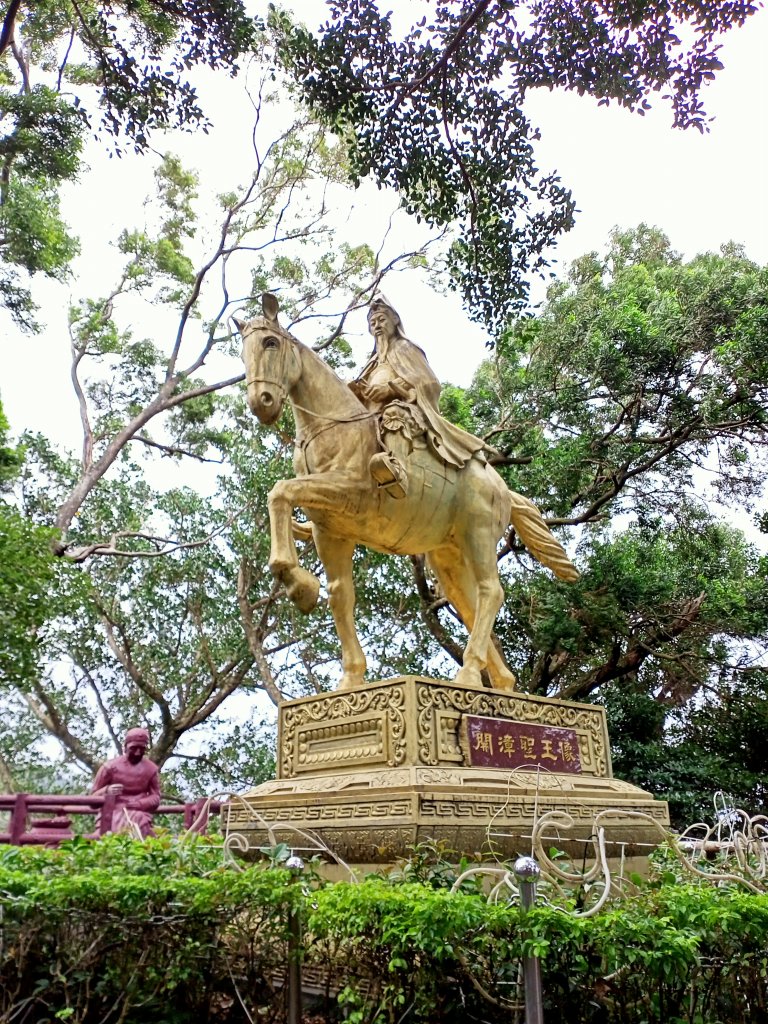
{"x":272,"y":365}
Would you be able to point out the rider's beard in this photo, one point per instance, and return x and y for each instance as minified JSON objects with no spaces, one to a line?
{"x":382,"y":342}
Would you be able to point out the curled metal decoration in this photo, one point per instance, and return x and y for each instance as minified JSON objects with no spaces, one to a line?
{"x":556,"y":882}
{"x":733,"y":850}
{"x":300,"y":841}
{"x":735,"y":839}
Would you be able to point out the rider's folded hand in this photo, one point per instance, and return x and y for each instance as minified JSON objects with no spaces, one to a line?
{"x":378,"y":392}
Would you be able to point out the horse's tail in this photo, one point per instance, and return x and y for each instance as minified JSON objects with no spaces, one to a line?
{"x":534,"y":533}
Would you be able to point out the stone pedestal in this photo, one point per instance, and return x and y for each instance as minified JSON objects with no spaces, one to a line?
{"x":371,"y":772}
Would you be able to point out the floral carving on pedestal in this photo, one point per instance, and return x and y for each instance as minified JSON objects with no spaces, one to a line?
{"x":587,"y":722}
{"x":338,"y":714}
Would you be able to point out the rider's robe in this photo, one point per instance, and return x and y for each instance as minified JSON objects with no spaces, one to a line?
{"x":405,"y":366}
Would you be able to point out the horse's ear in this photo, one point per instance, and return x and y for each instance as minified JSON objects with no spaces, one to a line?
{"x":239,"y":324}
{"x":270,"y":305}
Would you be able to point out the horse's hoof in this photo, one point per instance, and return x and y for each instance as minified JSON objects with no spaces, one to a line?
{"x":469,"y":677}
{"x":303,"y":588}
{"x":507,"y":682}
{"x":351,"y":681}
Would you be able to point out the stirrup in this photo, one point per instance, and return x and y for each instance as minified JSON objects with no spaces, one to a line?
{"x":389,"y":474}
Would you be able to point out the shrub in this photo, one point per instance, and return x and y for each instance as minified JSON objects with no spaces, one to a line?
{"x":120,"y":931}
{"x":170,"y":932}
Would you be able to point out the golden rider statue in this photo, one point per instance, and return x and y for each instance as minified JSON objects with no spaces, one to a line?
{"x":398,"y":382}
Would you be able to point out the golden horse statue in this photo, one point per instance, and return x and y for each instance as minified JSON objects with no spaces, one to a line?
{"x":454,"y":516}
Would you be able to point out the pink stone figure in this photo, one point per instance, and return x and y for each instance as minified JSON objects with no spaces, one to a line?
{"x":135,"y":781}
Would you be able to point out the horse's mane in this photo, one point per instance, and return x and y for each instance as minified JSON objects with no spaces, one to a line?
{"x":328,"y":372}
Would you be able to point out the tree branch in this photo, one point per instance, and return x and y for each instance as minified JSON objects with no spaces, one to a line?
{"x":125,"y":658}
{"x":102,"y":708}
{"x":9,"y":25}
{"x":7,"y":780}
{"x":21,"y":60}
{"x":163,"y":545}
{"x":164,"y":400}
{"x":171,"y":450}
{"x":46,"y":712}
{"x":216,"y":696}
{"x":255,"y":635}
{"x":637,"y":653}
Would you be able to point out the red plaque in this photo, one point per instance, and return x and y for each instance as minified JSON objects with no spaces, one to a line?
{"x":498,"y":743}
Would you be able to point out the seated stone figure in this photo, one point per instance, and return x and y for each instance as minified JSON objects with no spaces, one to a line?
{"x":135,"y":781}
{"x":398,"y":382}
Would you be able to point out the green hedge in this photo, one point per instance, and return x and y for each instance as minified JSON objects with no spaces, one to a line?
{"x":159,"y":932}
{"x":677,"y":953}
{"x":167,"y":932}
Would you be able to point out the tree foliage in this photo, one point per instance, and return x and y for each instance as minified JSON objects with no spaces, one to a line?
{"x":69,"y":67}
{"x":633,"y":410}
{"x":136,"y":56}
{"x":438,"y":110}
{"x":27,"y":596}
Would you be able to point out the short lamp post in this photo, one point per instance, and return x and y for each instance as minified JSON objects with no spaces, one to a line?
{"x":295,"y":865}
{"x":527,"y":872}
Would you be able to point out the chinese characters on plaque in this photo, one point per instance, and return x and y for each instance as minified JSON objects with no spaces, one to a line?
{"x":498,"y":743}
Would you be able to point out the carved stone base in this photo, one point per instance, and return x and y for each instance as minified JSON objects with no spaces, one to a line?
{"x":373,"y":771}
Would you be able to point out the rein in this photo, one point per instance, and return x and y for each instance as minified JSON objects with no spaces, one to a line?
{"x":332,"y":420}
{"x":335,"y":419}
{"x":302,"y":442}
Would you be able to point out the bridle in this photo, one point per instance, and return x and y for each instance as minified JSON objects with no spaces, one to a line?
{"x":302,"y":442}
{"x":287,"y":342}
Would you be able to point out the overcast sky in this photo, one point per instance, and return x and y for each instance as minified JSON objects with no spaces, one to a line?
{"x":702,"y":190}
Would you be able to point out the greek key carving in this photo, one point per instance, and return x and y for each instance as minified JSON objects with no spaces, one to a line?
{"x":342,"y":812}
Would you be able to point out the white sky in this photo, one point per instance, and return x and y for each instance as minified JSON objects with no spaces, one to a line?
{"x":702,"y":190}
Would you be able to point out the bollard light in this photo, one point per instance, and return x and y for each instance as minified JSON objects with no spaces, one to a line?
{"x":295,"y":865}
{"x":527,"y":870}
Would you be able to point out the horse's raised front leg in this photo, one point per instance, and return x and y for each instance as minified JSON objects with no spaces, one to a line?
{"x":330,"y":492}
{"x":301,"y":586}
{"x":336,"y":556}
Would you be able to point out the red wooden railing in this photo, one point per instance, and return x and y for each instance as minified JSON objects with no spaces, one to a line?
{"x":25,"y":827}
